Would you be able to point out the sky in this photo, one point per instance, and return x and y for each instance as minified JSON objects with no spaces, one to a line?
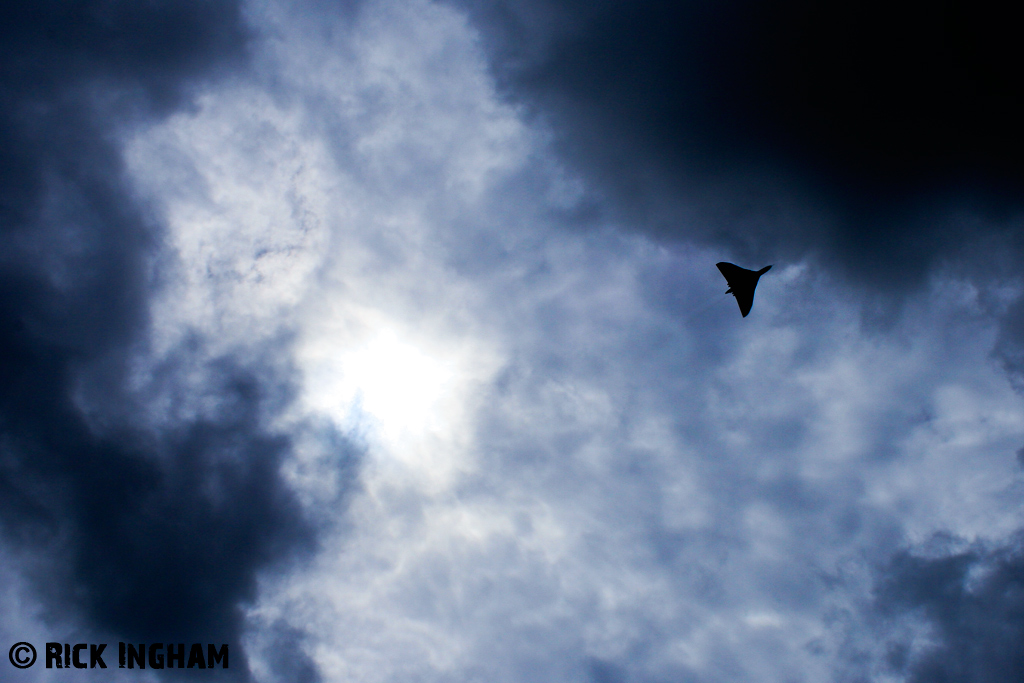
{"x":383,"y":340}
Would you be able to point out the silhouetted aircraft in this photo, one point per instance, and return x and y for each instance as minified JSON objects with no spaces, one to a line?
{"x":742,"y":283}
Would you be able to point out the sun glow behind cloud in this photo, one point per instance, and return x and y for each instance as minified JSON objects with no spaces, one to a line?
{"x":394,"y":383}
{"x":407,"y":395}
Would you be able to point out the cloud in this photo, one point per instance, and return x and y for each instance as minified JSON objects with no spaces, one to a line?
{"x":595,"y":473}
{"x":969,"y":600}
{"x":345,"y":347}
{"x":780,"y":130}
{"x":141,"y":484}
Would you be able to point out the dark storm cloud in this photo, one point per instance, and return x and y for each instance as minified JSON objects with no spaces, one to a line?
{"x":148,"y":534}
{"x":287,"y":661}
{"x":154,"y":536}
{"x":849,"y":131}
{"x":974,"y":601}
